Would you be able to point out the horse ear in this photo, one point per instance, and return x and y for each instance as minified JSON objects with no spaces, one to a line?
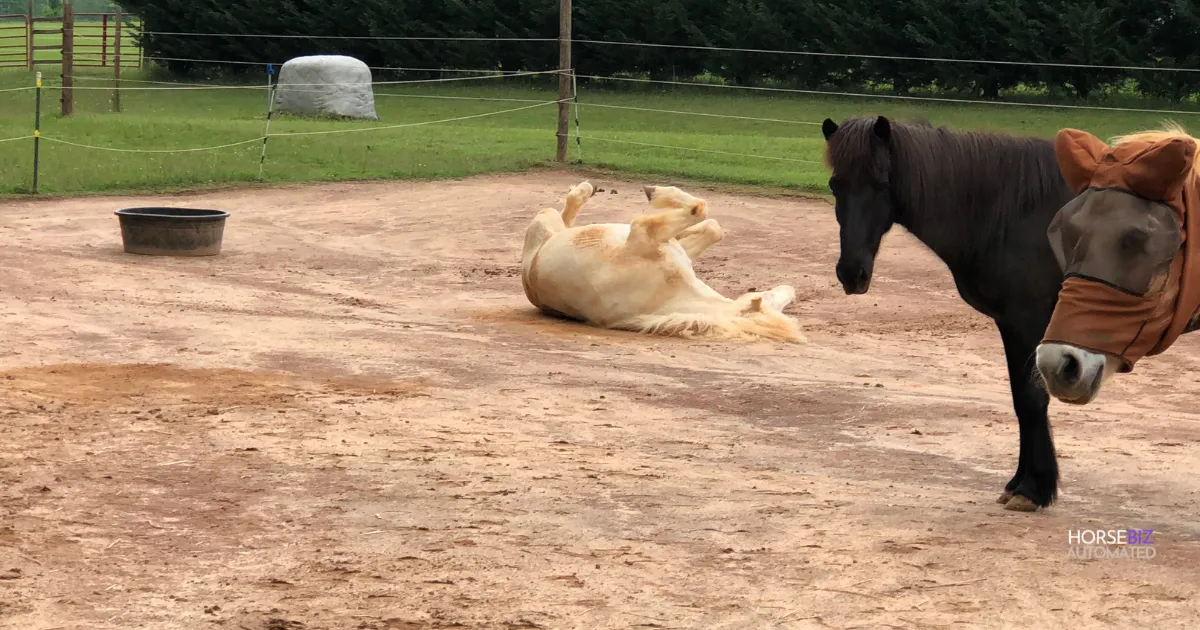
{"x":1078,"y":154}
{"x":1158,"y":172}
{"x":883,"y":128}
{"x":828,"y":128}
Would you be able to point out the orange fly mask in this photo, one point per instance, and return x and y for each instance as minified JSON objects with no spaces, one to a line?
{"x":1131,"y":273}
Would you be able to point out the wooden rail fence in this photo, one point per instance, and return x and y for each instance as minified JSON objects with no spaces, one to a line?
{"x":81,"y":40}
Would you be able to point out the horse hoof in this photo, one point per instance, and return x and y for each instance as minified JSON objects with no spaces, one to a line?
{"x":1020,"y":503}
{"x":1003,"y":498}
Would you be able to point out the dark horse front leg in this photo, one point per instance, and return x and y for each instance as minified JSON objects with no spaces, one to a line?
{"x":1036,"y":482}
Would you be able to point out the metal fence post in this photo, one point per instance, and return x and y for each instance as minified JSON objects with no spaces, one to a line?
{"x":37,"y":130}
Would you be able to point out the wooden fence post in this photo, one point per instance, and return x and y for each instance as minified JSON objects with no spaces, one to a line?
{"x":68,"y":60}
{"x":117,"y":65}
{"x":564,"y":76}
{"x":29,"y":35}
{"x":103,"y":40}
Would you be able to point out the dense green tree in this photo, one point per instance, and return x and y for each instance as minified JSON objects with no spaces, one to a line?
{"x":860,"y":39}
{"x":877,"y":28}
{"x":1164,"y":33}
{"x":1083,"y":32}
{"x":976,"y":30}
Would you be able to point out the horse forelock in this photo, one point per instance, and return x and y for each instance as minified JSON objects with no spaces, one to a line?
{"x":1168,"y":131}
{"x":853,"y":149}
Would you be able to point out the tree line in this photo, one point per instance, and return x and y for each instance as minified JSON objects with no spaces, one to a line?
{"x":1155,"y":33}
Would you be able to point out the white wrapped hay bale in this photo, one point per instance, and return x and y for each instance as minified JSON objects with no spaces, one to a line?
{"x":326,"y":85}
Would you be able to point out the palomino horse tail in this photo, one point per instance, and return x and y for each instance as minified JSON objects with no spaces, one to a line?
{"x":763,"y":324}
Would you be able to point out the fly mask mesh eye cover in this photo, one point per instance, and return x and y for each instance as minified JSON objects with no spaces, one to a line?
{"x":1130,"y":288}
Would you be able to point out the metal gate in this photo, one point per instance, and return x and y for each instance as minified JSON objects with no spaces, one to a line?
{"x":103,"y":38}
{"x":15,"y":41}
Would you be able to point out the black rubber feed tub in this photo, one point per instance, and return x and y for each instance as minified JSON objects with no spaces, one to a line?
{"x":172,"y":231}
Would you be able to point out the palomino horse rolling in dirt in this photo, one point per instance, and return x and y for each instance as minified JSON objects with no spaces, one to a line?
{"x":638,"y":276}
{"x":1129,"y":247}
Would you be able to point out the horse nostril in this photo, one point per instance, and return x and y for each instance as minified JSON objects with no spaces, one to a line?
{"x":862,"y":276}
{"x":1071,"y":370}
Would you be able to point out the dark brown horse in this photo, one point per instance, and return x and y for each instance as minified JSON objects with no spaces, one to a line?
{"x":982,"y":203}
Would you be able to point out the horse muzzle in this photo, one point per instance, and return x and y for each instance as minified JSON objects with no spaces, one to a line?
{"x":855,"y":278}
{"x":1070,"y":374}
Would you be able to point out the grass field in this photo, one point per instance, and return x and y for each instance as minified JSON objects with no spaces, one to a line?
{"x":162,"y":119}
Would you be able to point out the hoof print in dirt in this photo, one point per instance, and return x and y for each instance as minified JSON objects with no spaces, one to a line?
{"x":282,"y":624}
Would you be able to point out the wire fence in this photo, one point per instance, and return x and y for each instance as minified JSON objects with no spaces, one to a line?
{"x":148,"y":85}
{"x":603,"y":42}
{"x":330,"y":84}
{"x":899,"y":97}
{"x":489,"y":75}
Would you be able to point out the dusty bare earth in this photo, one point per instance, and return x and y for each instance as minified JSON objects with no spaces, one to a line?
{"x":353,"y":419}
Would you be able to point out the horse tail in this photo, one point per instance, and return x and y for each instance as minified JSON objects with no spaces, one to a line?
{"x":765,"y":324}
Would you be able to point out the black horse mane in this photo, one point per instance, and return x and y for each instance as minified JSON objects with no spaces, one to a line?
{"x":952,"y":185}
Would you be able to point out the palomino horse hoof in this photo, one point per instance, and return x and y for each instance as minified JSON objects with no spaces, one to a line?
{"x":1003,"y":498}
{"x":1020,"y":504}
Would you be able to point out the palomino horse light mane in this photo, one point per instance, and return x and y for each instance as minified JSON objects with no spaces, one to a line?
{"x":1167,"y":131}
{"x":1143,"y":197}
{"x":638,"y":276}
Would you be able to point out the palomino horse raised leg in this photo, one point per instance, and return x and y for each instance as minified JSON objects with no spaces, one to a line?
{"x":546,"y":224}
{"x":578,"y":196}
{"x":647,"y":232}
{"x":549,"y":221}
{"x":700,"y":237}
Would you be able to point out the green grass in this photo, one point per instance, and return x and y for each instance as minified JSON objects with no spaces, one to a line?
{"x":506,"y":142}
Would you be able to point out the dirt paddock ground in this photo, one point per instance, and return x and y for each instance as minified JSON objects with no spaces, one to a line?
{"x":352,"y":418}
